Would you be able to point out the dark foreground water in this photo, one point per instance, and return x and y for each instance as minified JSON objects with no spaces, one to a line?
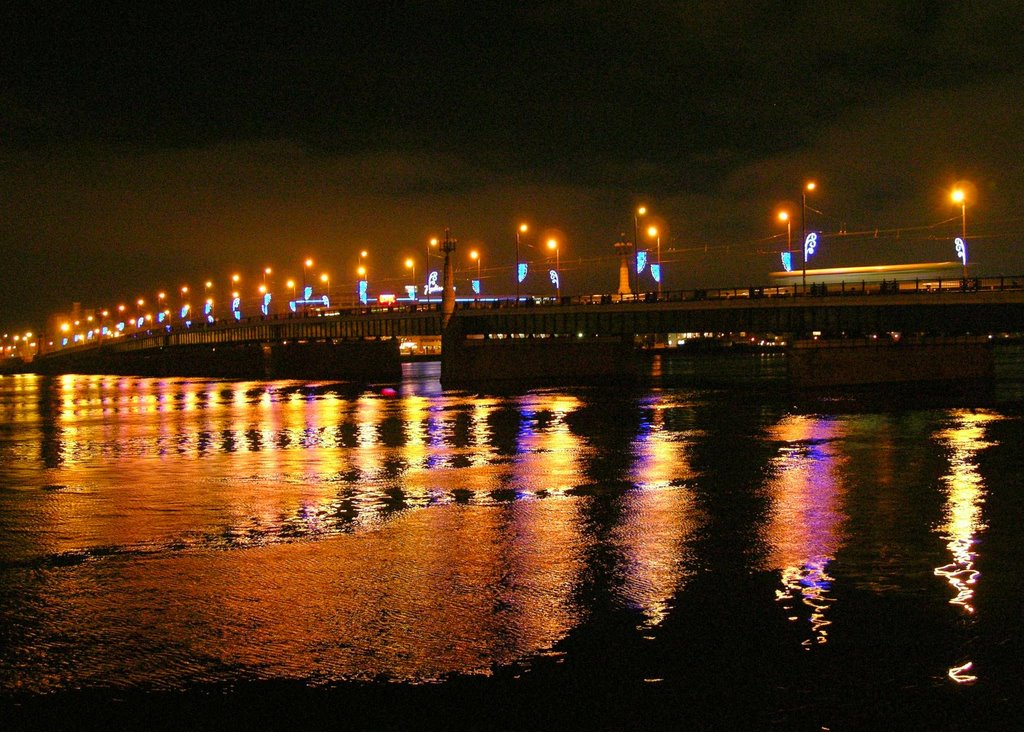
{"x":187,"y":553}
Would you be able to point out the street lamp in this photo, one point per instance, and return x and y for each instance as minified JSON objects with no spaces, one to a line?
{"x":960,"y":196}
{"x":475,"y":256}
{"x":266,"y":272}
{"x":363,"y":287}
{"x":784,"y":216}
{"x":522,"y":229}
{"x":326,"y":279}
{"x":808,"y":187}
{"x":652,"y":231}
{"x":410,"y":264}
{"x":305,"y":266}
{"x":553,"y":244}
{"x":290,"y":284}
{"x":641,"y":211}
{"x":433,"y":242}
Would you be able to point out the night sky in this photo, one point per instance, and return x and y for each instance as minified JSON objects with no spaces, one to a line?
{"x":143,"y":148}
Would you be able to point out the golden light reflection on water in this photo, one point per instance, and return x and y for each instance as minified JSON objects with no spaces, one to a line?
{"x":965,"y":495}
{"x":805,"y":526}
{"x":278,"y":528}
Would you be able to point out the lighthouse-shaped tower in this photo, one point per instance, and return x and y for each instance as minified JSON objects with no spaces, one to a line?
{"x":623,"y":248}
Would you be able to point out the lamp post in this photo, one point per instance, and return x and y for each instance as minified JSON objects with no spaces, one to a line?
{"x":809,"y":186}
{"x":290,"y":284}
{"x":653,"y":232}
{"x":553,"y":244}
{"x":959,"y":196}
{"x":410,"y":264}
{"x":640,"y":211}
{"x":433,"y":242}
{"x":475,"y":256}
{"x":305,"y":266}
{"x":361,"y":271}
{"x":521,"y":229}
{"x":326,"y":279}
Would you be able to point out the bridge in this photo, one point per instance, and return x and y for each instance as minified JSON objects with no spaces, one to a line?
{"x":591,"y":337}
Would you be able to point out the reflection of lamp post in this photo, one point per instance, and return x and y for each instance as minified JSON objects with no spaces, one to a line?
{"x":522,"y":229}
{"x":641,"y":211}
{"x":959,"y":196}
{"x":809,"y":186}
{"x":553,"y":244}
{"x":653,"y":231}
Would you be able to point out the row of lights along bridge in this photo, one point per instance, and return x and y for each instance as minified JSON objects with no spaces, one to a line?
{"x":316,"y":289}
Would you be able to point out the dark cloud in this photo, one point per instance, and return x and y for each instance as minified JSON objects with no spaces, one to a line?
{"x":146,"y":145}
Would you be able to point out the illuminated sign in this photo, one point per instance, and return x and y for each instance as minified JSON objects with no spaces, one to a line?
{"x":554,"y":278}
{"x":522,"y":271}
{"x":656,"y":272}
{"x":432,"y":285}
{"x":208,"y":312}
{"x":235,"y":304}
{"x":810,"y":244}
{"x":160,"y":317}
{"x":961,"y":250}
{"x":787,"y":261}
{"x":362,"y":291}
{"x":184,"y":311}
{"x":641,"y":261}
{"x":476,"y":286}
{"x":140,"y":322}
{"x":265,"y":307}
{"x":386,"y":299}
{"x":410,"y":291}
{"x":120,"y":327}
{"x":64,"y":342}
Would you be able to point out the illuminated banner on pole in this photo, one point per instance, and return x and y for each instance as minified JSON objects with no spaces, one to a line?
{"x":235,"y":305}
{"x":362,"y":291}
{"x":641,"y":262}
{"x":208,"y":312}
{"x":554,"y":278}
{"x":184,"y":311}
{"x":656,"y":272}
{"x":810,"y":244}
{"x":475,"y":284}
{"x":432,"y":285}
{"x":410,"y":290}
{"x":961,"y":250}
{"x":787,"y":261}
{"x":265,"y":307}
{"x":522,"y":271}
{"x":308,"y":299}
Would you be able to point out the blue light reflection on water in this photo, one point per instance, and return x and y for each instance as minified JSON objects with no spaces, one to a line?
{"x":321,"y":532}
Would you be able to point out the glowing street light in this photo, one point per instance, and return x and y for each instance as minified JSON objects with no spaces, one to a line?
{"x":784,"y":217}
{"x":640,"y":211}
{"x":432,"y":242}
{"x":326,"y":279}
{"x":305,"y":266}
{"x":521,"y":229}
{"x":652,"y":231}
{"x":960,"y":196}
{"x":553,"y":244}
{"x":290,"y":284}
{"x":410,"y":264}
{"x":809,"y":187}
{"x":475,"y":256}
{"x":266,"y":273}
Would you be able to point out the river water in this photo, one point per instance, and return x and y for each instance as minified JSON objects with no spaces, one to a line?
{"x":712,"y":553}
